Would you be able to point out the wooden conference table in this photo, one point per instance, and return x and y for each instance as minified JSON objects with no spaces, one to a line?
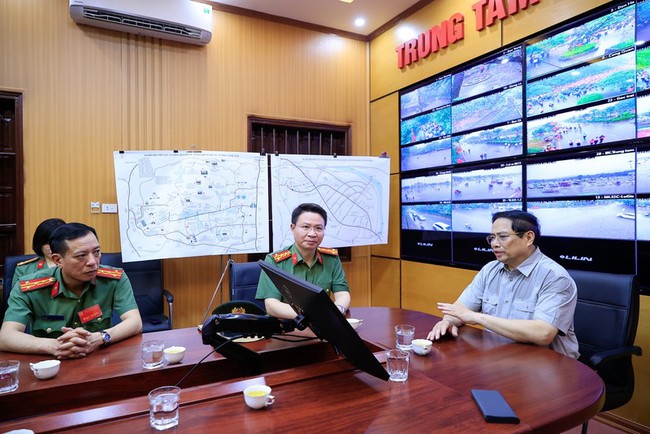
{"x":314,"y":389}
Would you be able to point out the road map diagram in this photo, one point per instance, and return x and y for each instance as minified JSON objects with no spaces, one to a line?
{"x":175,"y":204}
{"x":353,"y":190}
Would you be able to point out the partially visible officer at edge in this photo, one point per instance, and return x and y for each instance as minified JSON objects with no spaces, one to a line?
{"x":41,"y":246}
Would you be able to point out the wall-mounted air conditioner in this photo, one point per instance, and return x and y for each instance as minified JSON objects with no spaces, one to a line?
{"x":178,"y":20}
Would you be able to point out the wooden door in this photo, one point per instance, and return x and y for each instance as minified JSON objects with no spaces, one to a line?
{"x":11,"y":177}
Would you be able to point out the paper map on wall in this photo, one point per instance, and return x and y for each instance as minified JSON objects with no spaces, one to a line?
{"x":176,"y":204}
{"x":353,"y":190}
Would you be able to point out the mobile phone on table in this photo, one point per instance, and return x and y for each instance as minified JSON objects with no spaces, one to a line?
{"x":493,"y":406}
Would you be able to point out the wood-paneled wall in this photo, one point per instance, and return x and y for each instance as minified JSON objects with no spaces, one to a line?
{"x":89,"y":92}
{"x":422,"y":285}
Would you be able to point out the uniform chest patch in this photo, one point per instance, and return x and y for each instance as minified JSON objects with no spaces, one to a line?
{"x":90,"y":314}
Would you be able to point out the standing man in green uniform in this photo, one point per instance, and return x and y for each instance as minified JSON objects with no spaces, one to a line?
{"x":41,"y":246}
{"x":306,"y":260}
{"x":69,"y":307}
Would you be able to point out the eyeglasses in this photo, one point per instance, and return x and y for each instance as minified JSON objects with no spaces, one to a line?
{"x":307,"y":229}
{"x":501,"y":237}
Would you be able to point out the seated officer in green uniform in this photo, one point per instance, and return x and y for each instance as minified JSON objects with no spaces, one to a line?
{"x":305,"y":259}
{"x":69,"y":307}
{"x":41,"y":246}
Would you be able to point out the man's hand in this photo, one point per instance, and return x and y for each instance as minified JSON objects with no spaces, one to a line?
{"x":454,"y":316}
{"x":458,"y":313}
{"x":279,"y":309}
{"x":441,"y":328}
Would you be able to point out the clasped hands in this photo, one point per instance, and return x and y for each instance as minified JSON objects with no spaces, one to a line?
{"x":75,"y":343}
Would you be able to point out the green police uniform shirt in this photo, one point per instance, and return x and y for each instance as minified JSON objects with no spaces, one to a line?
{"x":326,"y":271}
{"x":29,"y":266}
{"x":42,"y":301}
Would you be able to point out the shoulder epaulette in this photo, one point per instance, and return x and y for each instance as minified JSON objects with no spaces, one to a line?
{"x":281,"y":256}
{"x":328,"y":251}
{"x":28,"y":261}
{"x":110,"y":273}
{"x":32,"y":284}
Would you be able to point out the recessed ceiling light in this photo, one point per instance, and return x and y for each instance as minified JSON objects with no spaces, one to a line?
{"x":347,"y":1}
{"x":360,"y":22}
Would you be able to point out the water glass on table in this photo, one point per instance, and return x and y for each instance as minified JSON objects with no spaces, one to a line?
{"x":9,"y":375}
{"x":404,"y":336}
{"x":163,"y":407}
{"x":397,"y":365}
{"x":152,"y":354}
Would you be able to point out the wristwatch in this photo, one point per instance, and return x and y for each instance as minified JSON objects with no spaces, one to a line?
{"x":106,"y":338}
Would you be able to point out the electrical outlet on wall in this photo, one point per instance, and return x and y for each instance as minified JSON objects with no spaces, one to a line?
{"x":109,"y":208}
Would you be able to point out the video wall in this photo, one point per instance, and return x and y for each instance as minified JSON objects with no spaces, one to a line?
{"x":557,"y":125}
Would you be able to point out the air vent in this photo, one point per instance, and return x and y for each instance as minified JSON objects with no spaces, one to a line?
{"x":141,"y":23}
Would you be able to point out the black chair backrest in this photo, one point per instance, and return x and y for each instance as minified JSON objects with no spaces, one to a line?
{"x":10,"y":268}
{"x":112,"y":259}
{"x":147,"y":281}
{"x":243,"y":279}
{"x":606,"y":319}
{"x":607,"y":312}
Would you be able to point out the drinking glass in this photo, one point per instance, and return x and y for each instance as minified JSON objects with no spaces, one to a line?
{"x":9,"y":375}
{"x":404,"y":336}
{"x":397,"y":364}
{"x":163,"y":407}
{"x":152,"y":354}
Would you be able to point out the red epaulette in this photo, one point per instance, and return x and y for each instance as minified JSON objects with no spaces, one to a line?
{"x":110,"y":273}
{"x":281,"y":256}
{"x":32,"y":284}
{"x":328,"y":251}
{"x":27,"y":261}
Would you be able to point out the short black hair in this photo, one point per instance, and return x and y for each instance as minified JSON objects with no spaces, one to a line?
{"x":66,"y":232}
{"x":522,"y":221}
{"x":42,"y":234}
{"x":308,"y":207}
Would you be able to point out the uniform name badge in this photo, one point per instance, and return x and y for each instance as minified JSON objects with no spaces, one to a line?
{"x":90,"y":314}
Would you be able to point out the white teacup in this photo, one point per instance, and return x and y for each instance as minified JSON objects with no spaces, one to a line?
{"x":258,"y":396}
{"x":355,"y":322}
{"x":422,"y":346}
{"x":174,"y":354}
{"x":45,"y":369}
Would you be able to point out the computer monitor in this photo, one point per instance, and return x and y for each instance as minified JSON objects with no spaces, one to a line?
{"x":320,"y":314}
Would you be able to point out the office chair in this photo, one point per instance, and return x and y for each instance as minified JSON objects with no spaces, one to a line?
{"x":605,"y":321}
{"x":10,"y":268}
{"x":147,"y":281}
{"x":243,"y":280}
